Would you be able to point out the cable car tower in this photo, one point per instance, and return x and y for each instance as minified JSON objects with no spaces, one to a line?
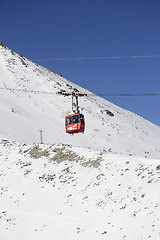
{"x":74,"y":122}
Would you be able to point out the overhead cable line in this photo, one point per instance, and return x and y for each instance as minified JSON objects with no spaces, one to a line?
{"x":96,"y":58}
{"x":129,"y":94}
{"x":90,"y":94}
{"x":26,"y":91}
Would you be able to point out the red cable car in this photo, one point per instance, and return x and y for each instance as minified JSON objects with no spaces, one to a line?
{"x":75,"y":123}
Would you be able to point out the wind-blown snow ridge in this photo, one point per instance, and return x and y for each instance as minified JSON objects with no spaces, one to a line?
{"x":108,"y":127}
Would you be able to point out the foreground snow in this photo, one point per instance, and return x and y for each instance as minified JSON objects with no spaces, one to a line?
{"x":65,"y":193}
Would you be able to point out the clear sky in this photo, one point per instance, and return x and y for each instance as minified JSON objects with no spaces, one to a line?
{"x":51,"y":29}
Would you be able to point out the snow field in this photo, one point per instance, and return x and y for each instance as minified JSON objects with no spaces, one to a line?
{"x":53,"y":192}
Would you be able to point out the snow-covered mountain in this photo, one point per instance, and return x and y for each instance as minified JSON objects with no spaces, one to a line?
{"x":23,"y":114}
{"x":103,"y":184}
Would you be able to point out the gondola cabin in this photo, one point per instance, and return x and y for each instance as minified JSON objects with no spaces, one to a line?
{"x":75,"y":123}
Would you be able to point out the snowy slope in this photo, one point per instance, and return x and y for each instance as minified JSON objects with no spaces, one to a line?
{"x":103,"y":184}
{"x":60,"y":192}
{"x":24,"y":113}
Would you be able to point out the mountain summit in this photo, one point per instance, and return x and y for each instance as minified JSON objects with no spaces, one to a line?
{"x":29,"y":103}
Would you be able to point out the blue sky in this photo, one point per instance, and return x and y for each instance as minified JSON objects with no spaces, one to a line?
{"x":71,"y":29}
